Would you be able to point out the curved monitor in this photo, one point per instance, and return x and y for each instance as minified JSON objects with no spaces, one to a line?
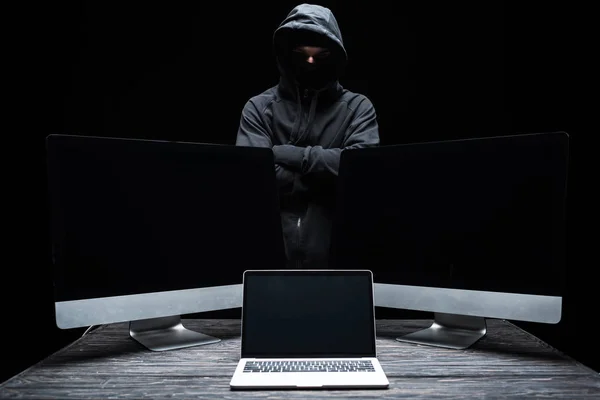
{"x":467,"y":229}
{"x":147,"y":230}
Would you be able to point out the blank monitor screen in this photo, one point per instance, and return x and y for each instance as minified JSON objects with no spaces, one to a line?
{"x":139,"y":216}
{"x":476,"y":214}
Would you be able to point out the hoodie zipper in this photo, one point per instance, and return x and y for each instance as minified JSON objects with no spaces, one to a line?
{"x":305,"y":94}
{"x":308,"y":114}
{"x":298,"y":226}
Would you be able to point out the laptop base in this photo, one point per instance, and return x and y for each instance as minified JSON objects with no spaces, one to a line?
{"x":308,"y":387}
{"x":308,"y":380}
{"x":168,"y":333}
{"x":450,"y":331}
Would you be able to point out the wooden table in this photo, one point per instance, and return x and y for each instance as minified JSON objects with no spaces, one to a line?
{"x":106,"y":363}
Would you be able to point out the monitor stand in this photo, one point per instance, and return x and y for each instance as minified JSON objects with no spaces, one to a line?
{"x":450,"y":331}
{"x":167,"y":333}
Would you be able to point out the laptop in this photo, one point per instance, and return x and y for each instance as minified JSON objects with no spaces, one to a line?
{"x":308,"y":329}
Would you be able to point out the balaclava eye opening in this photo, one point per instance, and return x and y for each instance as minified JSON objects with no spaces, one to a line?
{"x":310,"y":75}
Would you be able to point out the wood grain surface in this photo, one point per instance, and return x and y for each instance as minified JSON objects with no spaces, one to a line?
{"x":106,"y":363}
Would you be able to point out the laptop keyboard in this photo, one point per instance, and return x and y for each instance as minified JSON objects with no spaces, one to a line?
{"x":309,"y":366}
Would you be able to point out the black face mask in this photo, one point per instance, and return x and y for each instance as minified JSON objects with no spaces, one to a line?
{"x":311,"y":75}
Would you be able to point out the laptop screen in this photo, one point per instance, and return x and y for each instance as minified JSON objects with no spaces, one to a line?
{"x":308,"y":313}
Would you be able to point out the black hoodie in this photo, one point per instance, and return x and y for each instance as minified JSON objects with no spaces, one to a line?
{"x":308,"y":129}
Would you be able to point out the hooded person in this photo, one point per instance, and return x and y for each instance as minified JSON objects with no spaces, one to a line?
{"x":308,"y":119}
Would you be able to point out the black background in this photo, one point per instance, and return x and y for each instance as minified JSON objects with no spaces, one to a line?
{"x":434,"y":70}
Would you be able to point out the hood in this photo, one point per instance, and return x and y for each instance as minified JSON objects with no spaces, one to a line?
{"x":318,"y":26}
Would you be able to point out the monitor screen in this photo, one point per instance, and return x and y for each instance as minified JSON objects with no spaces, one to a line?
{"x":475,"y":214}
{"x":136,"y":216}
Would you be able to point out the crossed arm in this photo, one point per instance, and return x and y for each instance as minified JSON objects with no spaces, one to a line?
{"x":294,"y":162}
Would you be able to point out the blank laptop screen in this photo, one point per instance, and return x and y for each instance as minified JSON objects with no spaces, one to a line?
{"x":308,"y":314}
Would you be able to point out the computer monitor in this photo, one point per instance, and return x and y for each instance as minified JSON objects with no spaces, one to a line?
{"x":466,"y":229}
{"x":147,"y":230}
